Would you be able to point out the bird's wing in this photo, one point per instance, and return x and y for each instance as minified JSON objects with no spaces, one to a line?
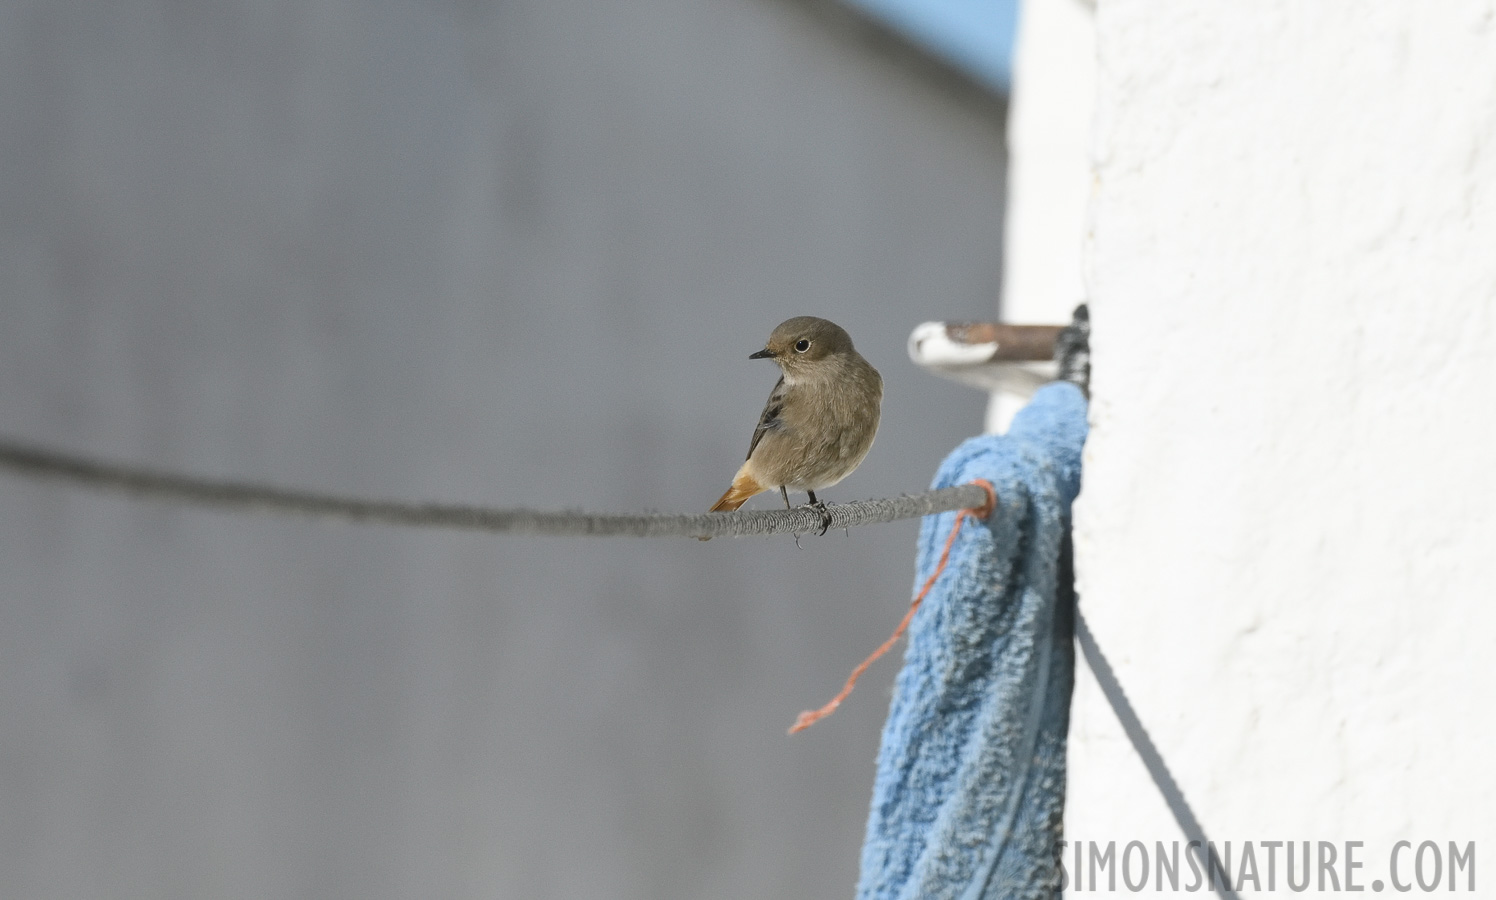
{"x":768,"y":420}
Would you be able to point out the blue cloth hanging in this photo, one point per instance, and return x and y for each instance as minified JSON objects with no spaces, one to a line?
{"x":970,"y":788}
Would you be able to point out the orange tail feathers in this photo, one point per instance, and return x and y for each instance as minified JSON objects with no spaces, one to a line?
{"x":743,"y":487}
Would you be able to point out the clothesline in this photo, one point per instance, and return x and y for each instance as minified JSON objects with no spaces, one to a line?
{"x":19,"y":458}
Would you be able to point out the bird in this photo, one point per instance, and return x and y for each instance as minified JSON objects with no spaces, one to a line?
{"x":820,"y":420}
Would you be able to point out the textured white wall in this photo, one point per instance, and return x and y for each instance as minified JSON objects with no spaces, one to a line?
{"x":1286,"y":542}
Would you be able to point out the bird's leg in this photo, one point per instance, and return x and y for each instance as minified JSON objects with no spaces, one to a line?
{"x":784,"y":492}
{"x":820,"y":507}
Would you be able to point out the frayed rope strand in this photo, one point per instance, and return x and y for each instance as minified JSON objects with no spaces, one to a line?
{"x":812,"y":716}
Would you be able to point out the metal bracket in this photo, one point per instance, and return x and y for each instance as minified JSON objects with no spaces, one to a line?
{"x":992,"y":356}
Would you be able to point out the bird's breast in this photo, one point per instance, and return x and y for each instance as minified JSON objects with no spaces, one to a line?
{"x":827,"y":426}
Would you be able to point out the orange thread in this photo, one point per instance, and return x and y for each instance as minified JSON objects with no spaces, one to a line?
{"x":812,"y":716}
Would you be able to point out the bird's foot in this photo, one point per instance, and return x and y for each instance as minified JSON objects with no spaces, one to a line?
{"x":825,"y":514}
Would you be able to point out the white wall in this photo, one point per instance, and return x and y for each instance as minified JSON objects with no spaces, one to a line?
{"x":1286,"y":542}
{"x":1049,"y":119}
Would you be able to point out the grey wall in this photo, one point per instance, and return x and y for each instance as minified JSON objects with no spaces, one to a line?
{"x":506,"y":253}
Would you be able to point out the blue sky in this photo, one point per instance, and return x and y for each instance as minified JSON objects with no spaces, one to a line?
{"x":975,"y":34}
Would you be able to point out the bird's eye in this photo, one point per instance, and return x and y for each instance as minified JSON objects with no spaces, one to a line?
{"x":802,"y":345}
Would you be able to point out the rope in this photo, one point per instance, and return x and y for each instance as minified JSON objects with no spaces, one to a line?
{"x":811,"y":716}
{"x":44,"y":463}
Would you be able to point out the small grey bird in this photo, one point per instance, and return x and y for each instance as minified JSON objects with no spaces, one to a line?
{"x":820,"y":419}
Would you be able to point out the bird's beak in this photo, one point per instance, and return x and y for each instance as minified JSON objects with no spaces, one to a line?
{"x":765,"y":353}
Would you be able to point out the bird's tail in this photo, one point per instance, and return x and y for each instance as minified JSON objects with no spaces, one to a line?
{"x":743,"y":487}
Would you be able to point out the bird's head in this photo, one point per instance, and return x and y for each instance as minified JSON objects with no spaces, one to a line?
{"x":804,"y":344}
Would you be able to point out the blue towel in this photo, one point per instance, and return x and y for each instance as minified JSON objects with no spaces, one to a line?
{"x":970,"y":790}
